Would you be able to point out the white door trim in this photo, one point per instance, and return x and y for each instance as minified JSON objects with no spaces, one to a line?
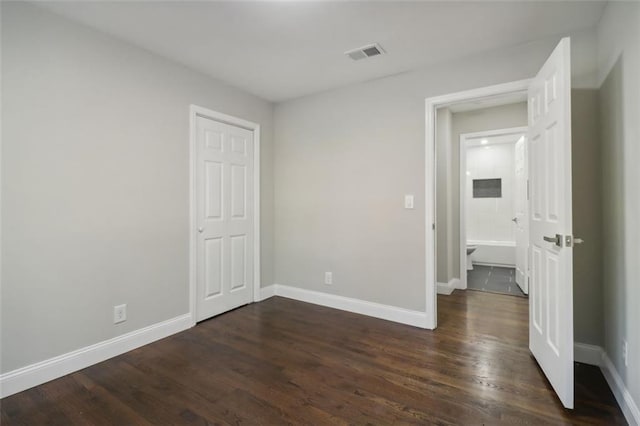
{"x":464,"y":137}
{"x":431,"y":104}
{"x":194,"y":112}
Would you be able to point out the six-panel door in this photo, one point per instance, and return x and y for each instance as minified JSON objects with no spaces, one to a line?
{"x":550,"y":220}
{"x":224,"y":216}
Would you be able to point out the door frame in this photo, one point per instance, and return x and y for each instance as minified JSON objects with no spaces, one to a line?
{"x":195,"y":112}
{"x":431,"y":105}
{"x":464,"y":137}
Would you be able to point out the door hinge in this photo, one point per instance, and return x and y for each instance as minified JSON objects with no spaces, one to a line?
{"x":433,"y":226}
{"x":527,"y":189}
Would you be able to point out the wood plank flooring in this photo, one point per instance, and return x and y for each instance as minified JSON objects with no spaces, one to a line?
{"x":286,"y":362}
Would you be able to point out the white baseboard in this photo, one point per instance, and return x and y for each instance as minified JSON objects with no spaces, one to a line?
{"x":377,"y":310}
{"x":444,"y":288}
{"x":595,"y":355}
{"x":36,"y":374}
{"x":588,"y":354}
{"x":267,"y":292}
{"x":620,"y":391}
{"x":447,"y":288}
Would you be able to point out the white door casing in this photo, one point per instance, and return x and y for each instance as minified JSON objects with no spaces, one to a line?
{"x":551,"y":286}
{"x":521,"y":218}
{"x":224,"y":217}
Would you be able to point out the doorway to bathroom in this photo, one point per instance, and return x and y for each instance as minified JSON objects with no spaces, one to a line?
{"x":481,"y":195}
{"x":548,"y":116}
{"x":493,"y":222}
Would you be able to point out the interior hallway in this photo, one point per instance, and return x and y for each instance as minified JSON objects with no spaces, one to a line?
{"x":282,"y":361}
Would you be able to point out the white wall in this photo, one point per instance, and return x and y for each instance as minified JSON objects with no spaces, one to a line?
{"x":95,"y":183}
{"x":618,"y":70}
{"x":489,"y":219}
{"x":345,"y":158}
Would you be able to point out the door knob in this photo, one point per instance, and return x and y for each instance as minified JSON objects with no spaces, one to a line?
{"x":201,"y":230}
{"x":557,"y":240}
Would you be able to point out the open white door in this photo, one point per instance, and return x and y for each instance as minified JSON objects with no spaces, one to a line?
{"x":521,"y":218}
{"x":551,"y":292}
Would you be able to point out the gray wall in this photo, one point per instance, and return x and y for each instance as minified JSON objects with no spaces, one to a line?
{"x":587,"y":217}
{"x":345,"y":158}
{"x":95,"y":183}
{"x":619,"y":97}
{"x":444,"y":252}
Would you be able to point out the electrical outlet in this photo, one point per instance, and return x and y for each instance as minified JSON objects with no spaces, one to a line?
{"x":119,"y":314}
{"x":328,"y":278}
{"x":625,"y":353}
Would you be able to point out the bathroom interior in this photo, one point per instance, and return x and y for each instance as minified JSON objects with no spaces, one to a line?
{"x":490,"y":213}
{"x":481,"y":197}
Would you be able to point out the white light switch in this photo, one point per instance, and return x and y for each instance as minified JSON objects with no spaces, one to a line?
{"x":408,"y":201}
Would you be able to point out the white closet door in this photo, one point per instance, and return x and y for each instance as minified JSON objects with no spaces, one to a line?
{"x":224,"y":203}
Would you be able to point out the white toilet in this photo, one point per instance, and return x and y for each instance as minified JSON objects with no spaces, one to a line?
{"x":470,"y":249}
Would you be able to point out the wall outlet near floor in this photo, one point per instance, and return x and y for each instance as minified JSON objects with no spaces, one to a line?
{"x":328,"y":278}
{"x":119,"y":314}
{"x":625,"y":353}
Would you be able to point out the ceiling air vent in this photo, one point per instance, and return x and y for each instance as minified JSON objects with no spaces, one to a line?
{"x":365,"y":52}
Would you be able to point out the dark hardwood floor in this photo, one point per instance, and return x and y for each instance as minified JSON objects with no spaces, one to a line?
{"x":282,"y":361}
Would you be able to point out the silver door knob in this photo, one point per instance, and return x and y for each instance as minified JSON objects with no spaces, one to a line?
{"x":201,"y":230}
{"x":557,"y":240}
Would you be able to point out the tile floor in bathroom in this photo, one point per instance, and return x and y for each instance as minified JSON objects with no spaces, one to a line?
{"x":493,"y":279}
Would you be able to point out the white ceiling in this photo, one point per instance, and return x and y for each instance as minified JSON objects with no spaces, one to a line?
{"x":282,"y":50}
